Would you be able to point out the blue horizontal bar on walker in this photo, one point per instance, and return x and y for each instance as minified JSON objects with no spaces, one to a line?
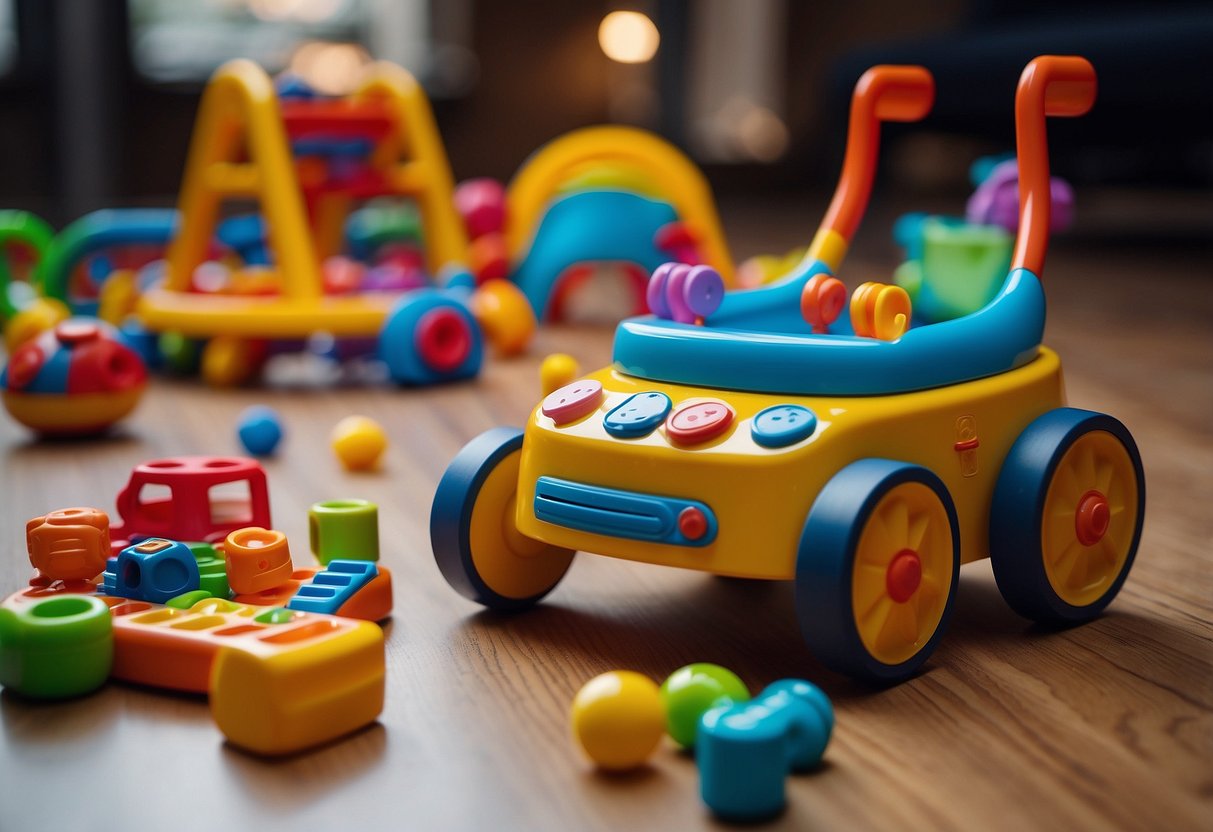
{"x":616,"y":513}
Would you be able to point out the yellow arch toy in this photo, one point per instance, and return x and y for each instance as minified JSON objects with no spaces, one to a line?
{"x":673,"y":175}
{"x":241,"y":149}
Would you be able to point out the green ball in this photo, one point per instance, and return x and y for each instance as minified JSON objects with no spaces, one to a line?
{"x":692,"y":691}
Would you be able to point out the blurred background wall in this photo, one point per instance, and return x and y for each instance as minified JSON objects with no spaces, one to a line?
{"x":97,"y":97}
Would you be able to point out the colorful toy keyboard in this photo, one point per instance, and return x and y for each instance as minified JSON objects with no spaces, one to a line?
{"x":279,"y":680}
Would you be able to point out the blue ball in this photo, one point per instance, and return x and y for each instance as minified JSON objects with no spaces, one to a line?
{"x":260,"y":430}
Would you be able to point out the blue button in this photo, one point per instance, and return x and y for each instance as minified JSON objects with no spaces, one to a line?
{"x":638,"y":416}
{"x":782,"y":425}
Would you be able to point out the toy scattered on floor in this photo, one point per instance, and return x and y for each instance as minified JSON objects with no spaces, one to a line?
{"x":260,"y":430}
{"x":77,"y":379}
{"x":24,"y":313}
{"x":956,"y":266}
{"x":744,"y":748}
{"x":359,"y":442}
{"x":346,"y":529}
{"x":556,"y":371}
{"x":745,"y":751}
{"x":692,"y":691}
{"x":284,"y":276}
{"x":287,"y":654}
{"x":865,"y":470}
{"x":618,"y":719}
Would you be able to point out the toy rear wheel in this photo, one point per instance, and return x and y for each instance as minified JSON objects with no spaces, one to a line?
{"x":478,"y":548}
{"x":877,"y":570}
{"x":1067,"y":516}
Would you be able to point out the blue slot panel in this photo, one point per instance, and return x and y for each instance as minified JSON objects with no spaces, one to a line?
{"x":627,"y":514}
{"x":333,"y":586}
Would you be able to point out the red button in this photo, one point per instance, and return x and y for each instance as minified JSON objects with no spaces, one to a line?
{"x":692,"y":523}
{"x":77,"y":332}
{"x":571,"y":402}
{"x":692,"y":424}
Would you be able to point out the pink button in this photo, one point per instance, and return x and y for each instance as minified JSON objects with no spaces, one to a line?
{"x":571,"y":402}
{"x":692,"y":424}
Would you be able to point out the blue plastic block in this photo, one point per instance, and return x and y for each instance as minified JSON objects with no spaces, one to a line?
{"x":746,"y":751}
{"x":638,"y":415}
{"x":260,"y":430}
{"x":333,"y":586}
{"x":154,"y":570}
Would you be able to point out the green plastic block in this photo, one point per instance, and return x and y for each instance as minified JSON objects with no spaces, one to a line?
{"x":344,"y":530}
{"x":56,"y":647}
{"x":212,"y":570}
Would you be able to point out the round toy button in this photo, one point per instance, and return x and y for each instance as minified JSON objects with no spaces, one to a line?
{"x":638,"y":416}
{"x":692,"y":424}
{"x":571,"y":402}
{"x":783,"y":425}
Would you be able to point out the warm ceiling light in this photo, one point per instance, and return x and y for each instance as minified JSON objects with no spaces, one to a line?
{"x":628,"y":37}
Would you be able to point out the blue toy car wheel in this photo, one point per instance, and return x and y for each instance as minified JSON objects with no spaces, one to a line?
{"x":877,"y":569}
{"x":476,"y":546}
{"x":430,"y":337}
{"x":1067,"y":516}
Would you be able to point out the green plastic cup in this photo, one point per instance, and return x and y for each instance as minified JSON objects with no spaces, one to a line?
{"x":344,"y":529}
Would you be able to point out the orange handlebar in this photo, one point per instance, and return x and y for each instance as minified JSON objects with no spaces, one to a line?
{"x":1050,"y":85}
{"x":884,"y":93}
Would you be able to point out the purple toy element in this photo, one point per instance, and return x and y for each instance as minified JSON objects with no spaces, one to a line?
{"x":996,"y":200}
{"x":655,"y":292}
{"x":703,"y":291}
{"x":676,"y":295}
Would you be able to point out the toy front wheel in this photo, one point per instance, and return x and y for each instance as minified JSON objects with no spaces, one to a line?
{"x":1067,"y":516}
{"x":877,"y":570}
{"x":477,"y":547}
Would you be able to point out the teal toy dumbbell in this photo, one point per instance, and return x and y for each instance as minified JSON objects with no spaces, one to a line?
{"x":745,"y":751}
{"x":344,"y":530}
{"x":56,"y":647}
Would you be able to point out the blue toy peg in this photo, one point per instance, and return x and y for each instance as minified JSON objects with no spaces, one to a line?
{"x":154,"y":569}
{"x":745,"y":751}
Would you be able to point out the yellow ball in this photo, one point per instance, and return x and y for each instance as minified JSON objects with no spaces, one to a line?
{"x":556,"y":371}
{"x":618,"y":719}
{"x":358,"y":442}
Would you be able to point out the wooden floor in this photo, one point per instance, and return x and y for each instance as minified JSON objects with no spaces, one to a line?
{"x":1010,"y":727}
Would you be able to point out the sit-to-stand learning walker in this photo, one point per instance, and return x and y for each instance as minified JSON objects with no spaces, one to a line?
{"x":307,"y":161}
{"x":762,"y":434}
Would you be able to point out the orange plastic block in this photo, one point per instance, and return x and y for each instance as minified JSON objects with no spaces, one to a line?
{"x":257,"y":560}
{"x":70,"y":544}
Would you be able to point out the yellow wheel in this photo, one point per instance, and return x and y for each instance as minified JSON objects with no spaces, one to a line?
{"x":877,"y":569}
{"x":477,"y":546}
{"x":1067,"y":516}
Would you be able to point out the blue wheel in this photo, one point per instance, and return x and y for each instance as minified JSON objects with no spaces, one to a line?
{"x":877,"y":569}
{"x":430,"y":337}
{"x":1067,"y":516}
{"x":478,"y":548}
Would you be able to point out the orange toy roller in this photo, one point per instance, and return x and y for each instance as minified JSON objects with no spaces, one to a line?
{"x":257,"y":559}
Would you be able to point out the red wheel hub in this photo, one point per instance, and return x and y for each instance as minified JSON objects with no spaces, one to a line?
{"x":443,"y":339}
{"x":1091,"y":518}
{"x":904,"y":575}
